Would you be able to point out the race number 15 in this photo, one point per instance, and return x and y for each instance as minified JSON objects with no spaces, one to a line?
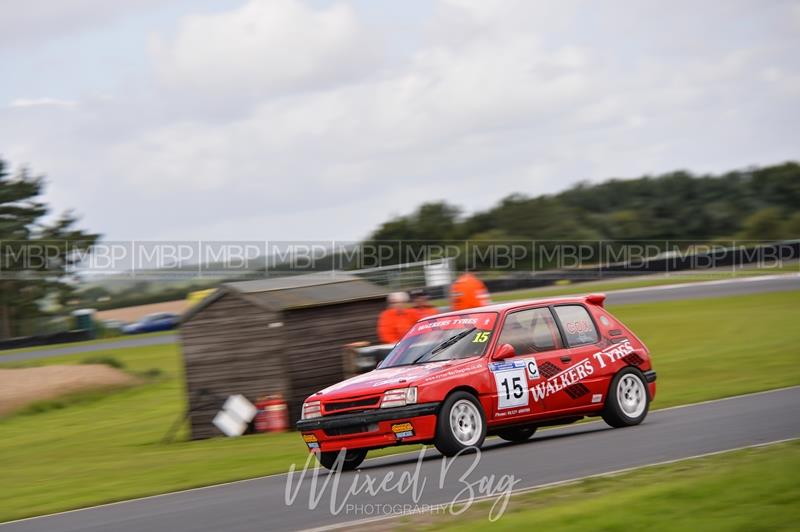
{"x":512,"y":388}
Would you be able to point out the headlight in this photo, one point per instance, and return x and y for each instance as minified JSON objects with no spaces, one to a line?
{"x":311,"y":409}
{"x":399,"y":397}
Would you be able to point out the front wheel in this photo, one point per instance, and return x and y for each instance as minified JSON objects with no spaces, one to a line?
{"x":627,"y":401}
{"x":352,"y":458}
{"x":460,"y":425}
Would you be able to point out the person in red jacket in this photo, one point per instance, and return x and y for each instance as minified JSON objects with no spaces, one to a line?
{"x":468,"y":292}
{"x":396,"y":320}
{"x":420,"y":305}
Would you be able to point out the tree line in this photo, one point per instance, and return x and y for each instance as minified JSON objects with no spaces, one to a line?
{"x":751,"y":204}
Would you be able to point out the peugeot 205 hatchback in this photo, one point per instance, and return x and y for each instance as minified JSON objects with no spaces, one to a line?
{"x":502,"y":369}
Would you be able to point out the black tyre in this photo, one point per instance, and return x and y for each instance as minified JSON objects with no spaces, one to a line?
{"x":517,"y":434}
{"x":352,"y":458}
{"x":461,"y":424}
{"x":628,"y":399}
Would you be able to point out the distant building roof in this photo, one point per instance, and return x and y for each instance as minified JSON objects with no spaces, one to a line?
{"x":297,"y":291}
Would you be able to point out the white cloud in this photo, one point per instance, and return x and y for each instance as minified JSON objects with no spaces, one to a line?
{"x":35,"y":21}
{"x":443,"y":98}
{"x":42,"y":102}
{"x":261,"y":48}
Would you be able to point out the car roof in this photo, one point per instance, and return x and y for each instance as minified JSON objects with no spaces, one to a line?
{"x":511,"y":305}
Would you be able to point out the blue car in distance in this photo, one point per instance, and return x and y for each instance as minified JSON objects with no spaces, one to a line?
{"x":160,"y":321}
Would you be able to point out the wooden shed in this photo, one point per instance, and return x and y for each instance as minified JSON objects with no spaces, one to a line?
{"x":283,"y":335}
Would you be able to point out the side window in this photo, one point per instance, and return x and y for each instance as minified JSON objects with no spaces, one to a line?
{"x":577,"y":324}
{"x":530,"y":331}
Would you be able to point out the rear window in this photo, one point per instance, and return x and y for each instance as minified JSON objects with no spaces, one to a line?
{"x":577,"y":325}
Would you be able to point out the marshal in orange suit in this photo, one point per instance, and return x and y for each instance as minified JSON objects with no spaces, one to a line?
{"x":396,"y":320}
{"x":468,"y":292}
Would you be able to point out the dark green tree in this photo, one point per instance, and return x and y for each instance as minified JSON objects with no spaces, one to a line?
{"x":36,"y":257}
{"x":767,"y":223}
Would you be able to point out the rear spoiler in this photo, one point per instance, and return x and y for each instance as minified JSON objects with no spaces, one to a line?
{"x":596,"y":299}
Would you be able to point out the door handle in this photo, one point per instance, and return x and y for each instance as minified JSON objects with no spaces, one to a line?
{"x":566,"y":359}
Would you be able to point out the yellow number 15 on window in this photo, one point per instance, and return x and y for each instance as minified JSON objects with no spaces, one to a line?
{"x":481,"y":337}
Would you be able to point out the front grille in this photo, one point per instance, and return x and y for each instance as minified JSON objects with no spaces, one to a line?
{"x":576,"y":390}
{"x":548,"y":369}
{"x":352,"y":429}
{"x":356,"y":403}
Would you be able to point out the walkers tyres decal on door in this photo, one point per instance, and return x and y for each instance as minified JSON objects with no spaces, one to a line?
{"x":511,"y":376}
{"x":580,"y":370}
{"x":512,"y":383}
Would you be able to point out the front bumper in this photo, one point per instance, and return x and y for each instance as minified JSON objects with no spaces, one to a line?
{"x":372,"y":428}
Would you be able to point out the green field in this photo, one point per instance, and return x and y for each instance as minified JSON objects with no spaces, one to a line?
{"x":109,"y":448}
{"x":751,"y":489}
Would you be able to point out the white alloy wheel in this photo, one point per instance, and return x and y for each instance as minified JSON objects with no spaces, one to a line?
{"x":466,"y":423}
{"x":631,"y":395}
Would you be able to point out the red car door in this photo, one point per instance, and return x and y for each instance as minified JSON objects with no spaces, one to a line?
{"x":520,"y":381}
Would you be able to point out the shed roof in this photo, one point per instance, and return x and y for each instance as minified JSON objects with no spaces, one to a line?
{"x":297,"y":291}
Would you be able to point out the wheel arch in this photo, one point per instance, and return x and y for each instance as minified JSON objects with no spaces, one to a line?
{"x":482,"y":399}
{"x":464,"y":388}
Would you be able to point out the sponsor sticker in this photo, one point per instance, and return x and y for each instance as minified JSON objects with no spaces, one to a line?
{"x":403,"y":430}
{"x":597,"y":397}
{"x":506,"y":365}
{"x":402,"y":427}
{"x":309,"y":438}
{"x":472,"y":368}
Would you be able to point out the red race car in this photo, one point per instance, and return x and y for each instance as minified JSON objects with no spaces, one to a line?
{"x":503,"y":369}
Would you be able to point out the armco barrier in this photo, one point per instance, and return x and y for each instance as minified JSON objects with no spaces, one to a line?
{"x":79,"y":335}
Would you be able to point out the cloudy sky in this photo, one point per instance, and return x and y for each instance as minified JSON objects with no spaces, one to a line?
{"x":318,"y":119}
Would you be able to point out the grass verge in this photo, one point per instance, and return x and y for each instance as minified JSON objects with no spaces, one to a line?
{"x":750,"y":489}
{"x":109,"y":449}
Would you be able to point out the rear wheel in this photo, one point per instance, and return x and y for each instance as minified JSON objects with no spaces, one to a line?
{"x":516,"y":434}
{"x":460,"y":425}
{"x":627,"y":401}
{"x":352,"y":458}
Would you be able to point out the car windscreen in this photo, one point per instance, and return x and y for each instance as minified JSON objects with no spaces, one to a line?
{"x":445,"y":338}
